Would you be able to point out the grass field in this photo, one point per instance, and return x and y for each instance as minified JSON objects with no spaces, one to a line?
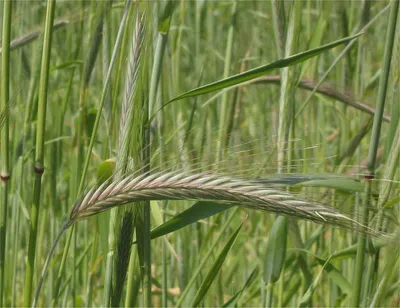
{"x":200,"y":153}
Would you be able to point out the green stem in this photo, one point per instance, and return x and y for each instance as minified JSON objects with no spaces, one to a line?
{"x":373,"y":149}
{"x":62,"y":265}
{"x":224,"y":101}
{"x":92,"y":263}
{"x":206,"y":257}
{"x":279,"y":23}
{"x":133,"y":283}
{"x":4,"y":173}
{"x":146,"y":255}
{"x":162,"y":40}
{"x":270,"y":291}
{"x":109,"y":270}
{"x":92,"y":139}
{"x":339,"y":57}
{"x":103,"y":96}
{"x":39,"y":156}
{"x":143,"y":226}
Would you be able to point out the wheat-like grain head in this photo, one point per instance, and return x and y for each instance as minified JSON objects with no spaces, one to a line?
{"x":204,"y":186}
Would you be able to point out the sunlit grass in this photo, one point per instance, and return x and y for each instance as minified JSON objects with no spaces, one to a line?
{"x":200,"y":111}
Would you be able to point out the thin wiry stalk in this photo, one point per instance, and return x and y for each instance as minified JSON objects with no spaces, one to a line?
{"x":286,"y":126}
{"x":104,"y":93}
{"x":46,"y":265}
{"x":373,"y":148}
{"x":227,"y":68}
{"x":4,"y":140}
{"x":345,"y":50}
{"x":203,"y":186}
{"x":164,"y":22}
{"x":94,"y":132}
{"x":205,"y":258}
{"x":288,"y":78}
{"x":39,"y":155}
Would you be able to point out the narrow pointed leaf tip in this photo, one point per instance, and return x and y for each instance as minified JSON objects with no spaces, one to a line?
{"x":262,"y":70}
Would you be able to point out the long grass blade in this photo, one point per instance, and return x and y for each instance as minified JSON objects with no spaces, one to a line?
{"x":215,"y":268}
{"x":262,"y":70}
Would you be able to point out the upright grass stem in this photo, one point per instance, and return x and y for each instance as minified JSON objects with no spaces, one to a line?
{"x":82,"y":121}
{"x":338,"y":58}
{"x":162,"y":39}
{"x":122,"y":220}
{"x":4,"y":172}
{"x":373,"y":149}
{"x":286,"y":124}
{"x":223,"y":120}
{"x":185,"y":137}
{"x":103,"y":95}
{"x":143,"y":212}
{"x":92,"y":139}
{"x":185,"y":293}
{"x":39,"y":155}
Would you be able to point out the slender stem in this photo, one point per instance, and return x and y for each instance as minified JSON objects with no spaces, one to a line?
{"x":109,"y":270}
{"x":345,"y":50}
{"x":161,"y":44}
{"x":145,"y":225}
{"x":383,"y":84}
{"x":62,"y":265}
{"x":4,"y":172}
{"x":47,"y":263}
{"x":270,"y":292}
{"x":39,"y":156}
{"x":103,"y":95}
{"x":373,"y":149}
{"x":288,"y":77}
{"x":162,"y":40}
{"x":227,"y":68}
{"x":89,"y":284}
{"x":205,"y":258}
{"x":164,"y":294}
{"x":92,"y":139}
{"x":146,"y":255}
{"x":133,"y":282}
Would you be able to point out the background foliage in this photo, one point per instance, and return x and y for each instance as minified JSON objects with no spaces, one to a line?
{"x":95,"y":88}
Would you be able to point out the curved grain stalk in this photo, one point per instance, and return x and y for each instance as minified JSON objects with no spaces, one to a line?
{"x":204,"y":186}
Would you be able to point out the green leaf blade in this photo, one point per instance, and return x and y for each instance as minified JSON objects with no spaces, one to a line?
{"x":213,"y":271}
{"x":276,"y":250}
{"x":200,"y":210}
{"x":262,"y":70}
